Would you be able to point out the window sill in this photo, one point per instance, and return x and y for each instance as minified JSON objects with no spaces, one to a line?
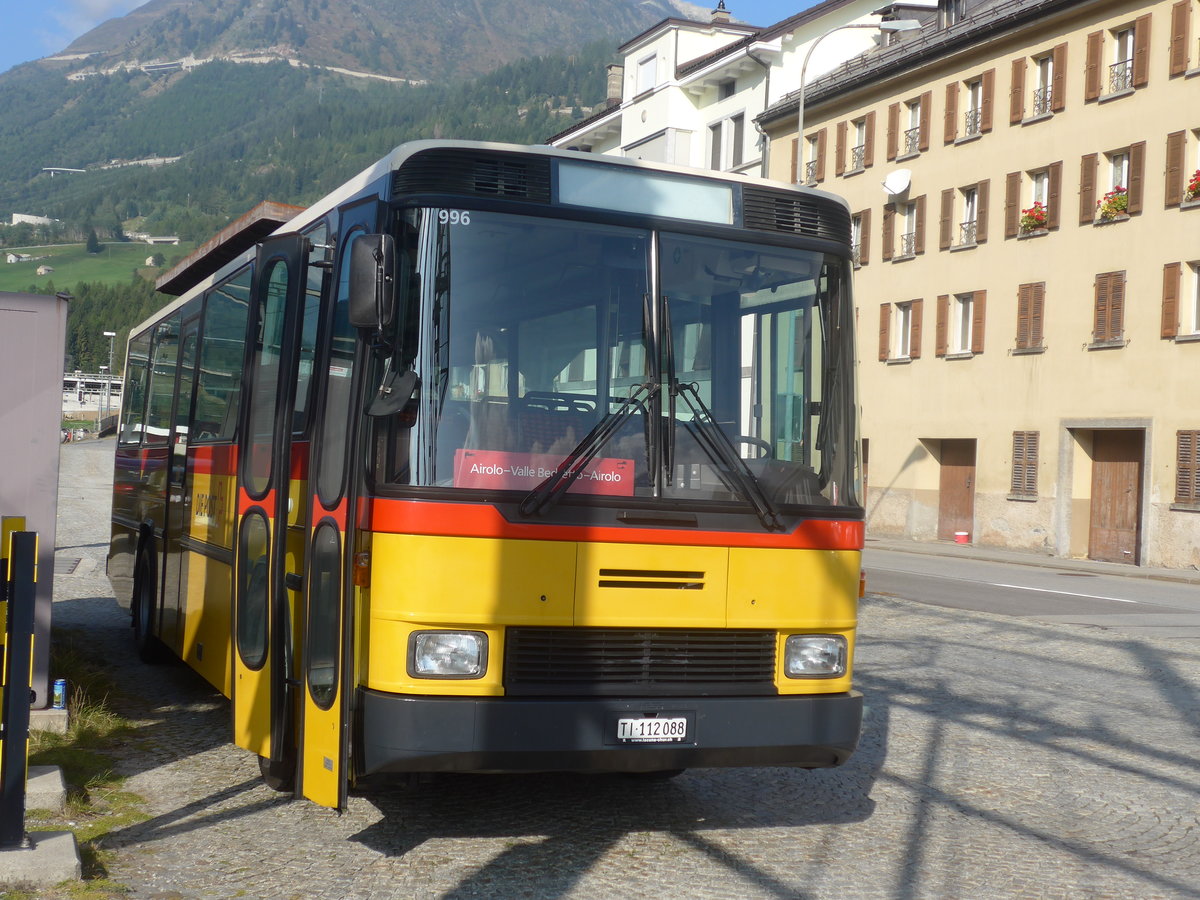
{"x":850,"y":173}
{"x":968,"y":138}
{"x":1187,"y":338}
{"x":970,"y":246}
{"x":900,"y":259}
{"x":1123,"y":217}
{"x":899,"y":360}
{"x":1027,"y":351}
{"x":959,"y":354}
{"x":1184,"y":507}
{"x":1022,"y":498}
{"x":1040,"y":117}
{"x":1194,"y":203}
{"x":1107,"y":345}
{"x":1117,"y":95}
{"x":1036,"y":232}
{"x":904,"y":156}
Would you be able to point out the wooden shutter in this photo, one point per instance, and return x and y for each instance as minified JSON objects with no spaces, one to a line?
{"x":1174,"y":185}
{"x":978,"y":317}
{"x":1141,"y":51}
{"x":1137,"y":166}
{"x":1016,"y":92}
{"x":986,"y":104}
{"x":1037,"y":316}
{"x":1053,"y":193}
{"x":1030,"y":303}
{"x":943,"y":320}
{"x":1087,"y":189}
{"x":919,"y":240}
{"x":869,"y":150}
{"x":1181,"y":14}
{"x":945,"y":221}
{"x":1172,"y":275}
{"x":839,"y":159}
{"x":914,"y":332}
{"x":926,"y":121}
{"x":950,"y":119}
{"x":1025,"y":463}
{"x":893,"y":133}
{"x":1110,"y":306}
{"x":981,"y":211}
{"x":1187,"y":466}
{"x":795,"y":179}
{"x":1058,"y":81}
{"x":1091,"y":77}
{"x":885,"y":321}
{"x":889,"y":231}
{"x":821,"y":155}
{"x":1012,"y":204}
{"x":864,"y":231}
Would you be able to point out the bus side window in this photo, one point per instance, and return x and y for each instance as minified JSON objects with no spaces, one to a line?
{"x":222,"y":351}
{"x":137,"y":374}
{"x":162,"y":381}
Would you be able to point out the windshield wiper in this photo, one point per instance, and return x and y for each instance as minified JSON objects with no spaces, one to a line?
{"x":717,"y":445}
{"x":550,"y":491}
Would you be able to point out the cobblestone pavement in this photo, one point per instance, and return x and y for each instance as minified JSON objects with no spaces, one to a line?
{"x":1000,"y":758}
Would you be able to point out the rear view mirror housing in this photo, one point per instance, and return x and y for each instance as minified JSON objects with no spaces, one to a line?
{"x":372,"y":281}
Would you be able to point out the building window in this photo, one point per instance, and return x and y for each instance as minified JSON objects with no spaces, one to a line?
{"x":1039,"y":187}
{"x":1031,"y":301}
{"x":961,"y":314}
{"x":726,"y":89}
{"x":908,"y":229}
{"x":1043,"y":93}
{"x":1193,"y":297}
{"x":912,"y":134}
{"x":1120,"y":71}
{"x":858,"y":152}
{"x":814,"y":160}
{"x":856,"y":233}
{"x":726,"y":140}
{"x":900,"y":331}
{"x":903,"y":345}
{"x":647,"y":76}
{"x":968,"y":228}
{"x":1187,"y":467}
{"x":973,"y":119}
{"x":1024,"y":464}
{"x":1124,"y":66}
{"x":1109,"y":311}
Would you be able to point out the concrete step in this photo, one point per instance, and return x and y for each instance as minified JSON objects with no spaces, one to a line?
{"x":45,"y":788}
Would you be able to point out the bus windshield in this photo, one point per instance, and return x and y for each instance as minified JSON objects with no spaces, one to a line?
{"x":637,"y":364}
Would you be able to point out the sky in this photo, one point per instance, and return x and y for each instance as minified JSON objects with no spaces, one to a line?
{"x":31,"y":29}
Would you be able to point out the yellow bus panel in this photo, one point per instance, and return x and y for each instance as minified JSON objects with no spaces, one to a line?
{"x":638,"y":585}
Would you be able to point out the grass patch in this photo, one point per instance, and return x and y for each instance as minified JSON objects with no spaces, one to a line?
{"x":97,"y":802}
{"x":117,"y":263}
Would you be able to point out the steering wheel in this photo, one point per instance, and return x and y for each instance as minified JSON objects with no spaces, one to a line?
{"x":767,"y":450}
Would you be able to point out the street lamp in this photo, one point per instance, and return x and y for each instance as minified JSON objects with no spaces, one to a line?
{"x":885,"y":27}
{"x":108,"y":380}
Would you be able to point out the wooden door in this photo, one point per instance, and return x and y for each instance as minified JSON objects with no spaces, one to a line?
{"x":1116,"y":496}
{"x":956,"y":494}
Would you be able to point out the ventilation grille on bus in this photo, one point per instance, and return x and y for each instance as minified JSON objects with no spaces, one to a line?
{"x":768,"y":210}
{"x":475,"y":173}
{"x":655,"y":579}
{"x":635,"y":662}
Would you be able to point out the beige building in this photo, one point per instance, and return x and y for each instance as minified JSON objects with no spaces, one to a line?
{"x":1028,"y":283}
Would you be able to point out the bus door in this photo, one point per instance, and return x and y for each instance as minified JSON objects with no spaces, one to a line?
{"x":263,"y":689}
{"x":179,"y":495}
{"x":328,"y":672}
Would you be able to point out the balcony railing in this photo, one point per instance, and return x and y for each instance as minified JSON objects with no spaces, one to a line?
{"x":912,"y":140}
{"x":856,"y":253}
{"x":858,"y":156}
{"x":908,"y":244}
{"x":810,"y":172}
{"x":1042,"y":100}
{"x":973,"y":122}
{"x":966,"y":233}
{"x":1120,"y":76}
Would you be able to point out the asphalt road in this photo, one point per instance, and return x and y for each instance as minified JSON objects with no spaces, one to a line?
{"x":1002,"y":756}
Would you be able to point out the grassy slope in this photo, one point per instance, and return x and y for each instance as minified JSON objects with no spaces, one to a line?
{"x":73,"y":264}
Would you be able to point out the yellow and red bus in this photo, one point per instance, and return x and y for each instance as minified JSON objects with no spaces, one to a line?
{"x":506,"y":459}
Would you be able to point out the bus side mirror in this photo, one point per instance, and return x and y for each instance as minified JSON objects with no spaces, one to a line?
{"x":372,"y":281}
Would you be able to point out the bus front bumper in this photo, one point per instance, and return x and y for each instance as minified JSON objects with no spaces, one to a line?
{"x":401,"y":733}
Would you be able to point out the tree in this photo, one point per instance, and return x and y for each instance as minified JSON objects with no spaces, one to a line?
{"x":93,"y":242}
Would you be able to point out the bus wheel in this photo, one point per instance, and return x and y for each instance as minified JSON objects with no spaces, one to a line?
{"x":149,"y":648}
{"x":278,"y":776}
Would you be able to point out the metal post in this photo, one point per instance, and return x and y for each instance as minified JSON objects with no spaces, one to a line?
{"x":108,"y":381}
{"x":21,"y":579}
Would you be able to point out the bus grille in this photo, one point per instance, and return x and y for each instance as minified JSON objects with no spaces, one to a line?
{"x":767,"y":210}
{"x":634,"y":662}
{"x":475,"y":173}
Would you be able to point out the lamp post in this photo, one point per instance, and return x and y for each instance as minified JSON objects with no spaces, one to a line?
{"x":108,"y":379}
{"x":885,"y":27}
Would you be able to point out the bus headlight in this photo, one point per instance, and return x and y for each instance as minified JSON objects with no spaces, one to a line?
{"x":447,"y":654}
{"x":814,"y":656}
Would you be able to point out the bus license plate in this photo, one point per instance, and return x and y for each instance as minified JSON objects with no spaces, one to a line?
{"x":644,"y":730}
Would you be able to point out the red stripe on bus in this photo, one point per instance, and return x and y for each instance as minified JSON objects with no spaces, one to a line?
{"x":482,"y":520}
{"x":214,"y":459}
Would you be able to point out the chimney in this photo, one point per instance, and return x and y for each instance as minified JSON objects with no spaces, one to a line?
{"x":616,"y":78}
{"x":720,"y":15}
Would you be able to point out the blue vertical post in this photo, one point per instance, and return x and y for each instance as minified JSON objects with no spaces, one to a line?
{"x":21,"y":586}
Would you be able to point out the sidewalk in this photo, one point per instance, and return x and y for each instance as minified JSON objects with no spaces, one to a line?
{"x":1029,"y":558}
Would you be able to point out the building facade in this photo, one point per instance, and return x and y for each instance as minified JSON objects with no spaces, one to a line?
{"x":688,"y":92}
{"x":1024,"y":180}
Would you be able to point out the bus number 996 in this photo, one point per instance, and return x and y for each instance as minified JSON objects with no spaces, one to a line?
{"x":454,"y":216}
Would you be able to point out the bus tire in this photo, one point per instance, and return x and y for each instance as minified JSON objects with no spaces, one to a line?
{"x":149,"y":648}
{"x":278,"y":776}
